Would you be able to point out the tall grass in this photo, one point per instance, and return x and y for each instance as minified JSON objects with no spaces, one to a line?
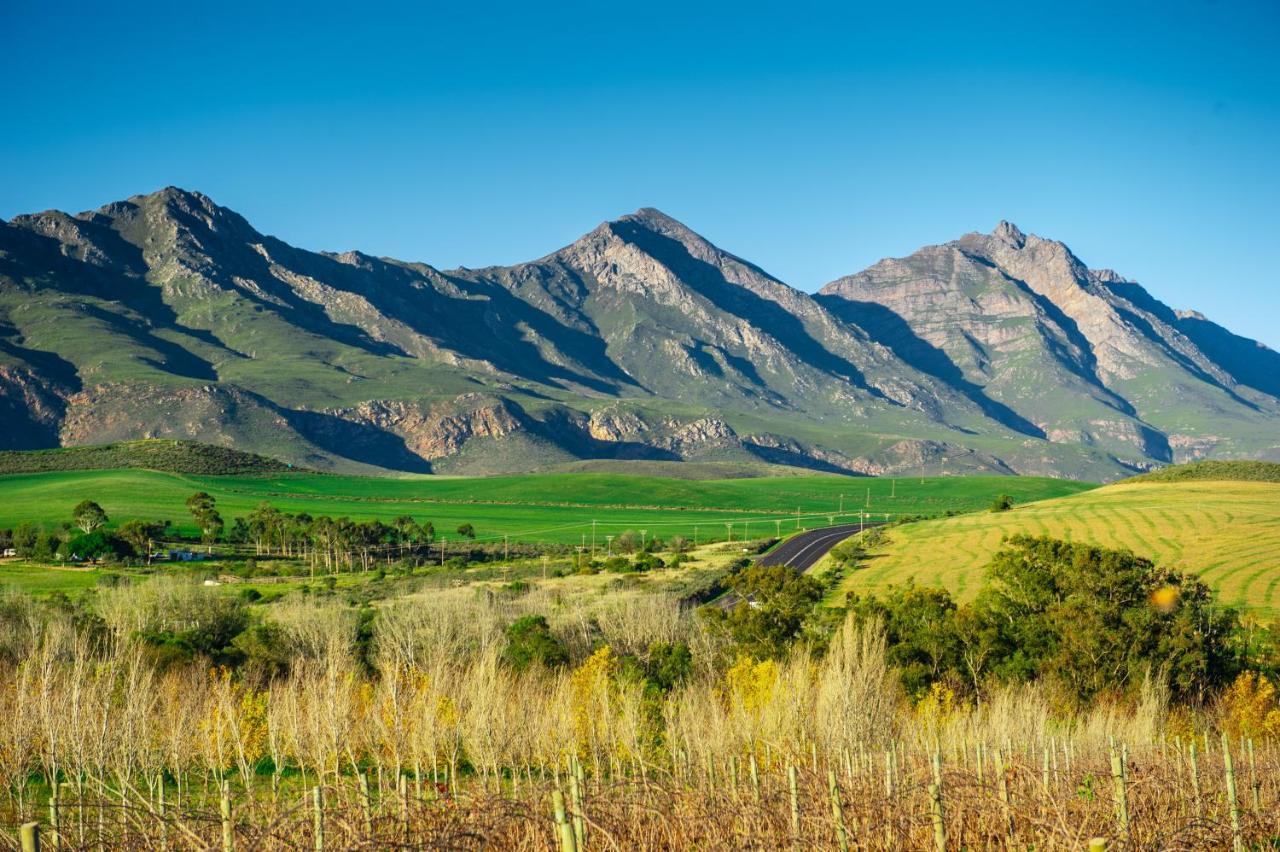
{"x":457,"y":750}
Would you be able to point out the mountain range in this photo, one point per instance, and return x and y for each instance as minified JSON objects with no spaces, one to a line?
{"x":168,"y":316}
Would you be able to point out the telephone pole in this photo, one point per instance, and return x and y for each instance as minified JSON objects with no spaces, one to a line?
{"x":593,"y":539}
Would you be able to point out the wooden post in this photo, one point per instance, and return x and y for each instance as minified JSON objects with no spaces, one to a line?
{"x":568,"y":843}
{"x":1254,"y":786}
{"x":164,"y":821}
{"x":1237,"y":839}
{"x":939,"y":817}
{"x":575,"y":792}
{"x":317,"y":818}
{"x":1121,"y":797}
{"x":795,"y":805}
{"x":30,"y":833}
{"x":888,"y":799}
{"x":1002,"y":782}
{"x":55,"y":836}
{"x":836,"y":812}
{"x":228,"y":830}
{"x":1195,"y":782}
{"x":366,"y":805}
{"x":755,"y":776}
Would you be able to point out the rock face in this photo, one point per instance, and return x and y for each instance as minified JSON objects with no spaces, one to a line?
{"x":1084,"y":356}
{"x":168,"y":315}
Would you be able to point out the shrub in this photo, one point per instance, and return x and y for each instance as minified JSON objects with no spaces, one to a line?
{"x":1002,"y":503}
{"x":98,"y":544}
{"x":530,"y":641}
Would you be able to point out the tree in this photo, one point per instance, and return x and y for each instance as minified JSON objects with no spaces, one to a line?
{"x":88,"y":516}
{"x":1002,"y":503}
{"x":141,"y":535}
{"x":919,"y":624}
{"x":775,"y":603}
{"x":95,"y":545}
{"x":530,"y":641}
{"x":203,"y":509}
{"x":467,"y":531}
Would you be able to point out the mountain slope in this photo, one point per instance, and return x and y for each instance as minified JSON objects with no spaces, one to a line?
{"x":1086,"y":355}
{"x":168,"y":316}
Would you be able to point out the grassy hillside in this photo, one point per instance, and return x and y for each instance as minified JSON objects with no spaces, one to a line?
{"x":1240,"y":471}
{"x":1227,"y":532}
{"x":552,"y":507}
{"x":171,"y":456}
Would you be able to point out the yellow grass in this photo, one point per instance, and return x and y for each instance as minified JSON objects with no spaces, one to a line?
{"x":1227,"y":532}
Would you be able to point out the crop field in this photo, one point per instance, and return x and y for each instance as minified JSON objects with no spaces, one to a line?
{"x":537,"y":508}
{"x":1227,"y":532}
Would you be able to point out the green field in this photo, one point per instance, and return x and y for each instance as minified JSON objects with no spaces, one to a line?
{"x":535,"y":508}
{"x":1227,"y":532}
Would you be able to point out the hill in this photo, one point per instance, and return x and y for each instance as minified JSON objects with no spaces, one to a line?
{"x":169,"y":456}
{"x":1227,"y":532}
{"x":169,"y":316}
{"x":1223,"y":471}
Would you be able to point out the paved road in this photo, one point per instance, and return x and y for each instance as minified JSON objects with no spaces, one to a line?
{"x":803,"y":550}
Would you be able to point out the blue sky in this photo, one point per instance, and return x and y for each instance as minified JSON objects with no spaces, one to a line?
{"x":812,"y":139}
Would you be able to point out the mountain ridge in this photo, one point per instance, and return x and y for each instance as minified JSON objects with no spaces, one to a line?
{"x":166,"y":315}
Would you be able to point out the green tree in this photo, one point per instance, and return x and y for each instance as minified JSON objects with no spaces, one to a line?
{"x":1002,"y":503}
{"x":141,"y":535}
{"x":530,"y":641}
{"x":774,"y":604}
{"x":204,"y":512}
{"x":88,"y":516}
{"x":466,"y":531}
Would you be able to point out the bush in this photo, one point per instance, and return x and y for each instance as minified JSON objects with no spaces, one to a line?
{"x":1002,"y":503}
{"x":96,"y":545}
{"x":775,"y":604}
{"x":530,"y":641}
{"x":1090,"y":620}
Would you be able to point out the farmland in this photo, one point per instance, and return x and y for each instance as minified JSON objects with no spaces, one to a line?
{"x":537,"y":508}
{"x":1228,"y":532}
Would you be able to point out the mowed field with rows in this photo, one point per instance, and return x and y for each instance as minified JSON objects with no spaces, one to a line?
{"x":1227,"y":532}
{"x":535,"y":508}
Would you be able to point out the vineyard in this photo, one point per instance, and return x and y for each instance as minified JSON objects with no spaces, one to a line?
{"x":422,"y":734}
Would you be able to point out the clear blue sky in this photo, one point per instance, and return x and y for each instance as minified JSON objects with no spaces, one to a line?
{"x":811,"y":139}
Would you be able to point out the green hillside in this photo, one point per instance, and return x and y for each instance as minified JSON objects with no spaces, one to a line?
{"x":1224,"y":471}
{"x":170,"y":456}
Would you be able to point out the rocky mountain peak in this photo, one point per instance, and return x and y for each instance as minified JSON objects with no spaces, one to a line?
{"x":1009,"y":233}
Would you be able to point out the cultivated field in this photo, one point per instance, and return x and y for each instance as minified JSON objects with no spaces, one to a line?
{"x":558,"y":508}
{"x":1227,"y":532}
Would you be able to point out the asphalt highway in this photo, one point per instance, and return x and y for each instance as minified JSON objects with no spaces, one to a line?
{"x":803,"y":550}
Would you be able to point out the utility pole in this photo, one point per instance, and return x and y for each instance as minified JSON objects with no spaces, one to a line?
{"x":728,"y":525}
{"x":778,"y":524}
{"x":642,"y":535}
{"x":506,"y":548}
{"x":868,"y":497}
{"x":609,"y":545}
{"x":695,"y":535}
{"x":593,"y":539}
{"x":842,"y":504}
{"x":893,"y":488}
{"x":441,"y":551}
{"x":797,"y":517}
